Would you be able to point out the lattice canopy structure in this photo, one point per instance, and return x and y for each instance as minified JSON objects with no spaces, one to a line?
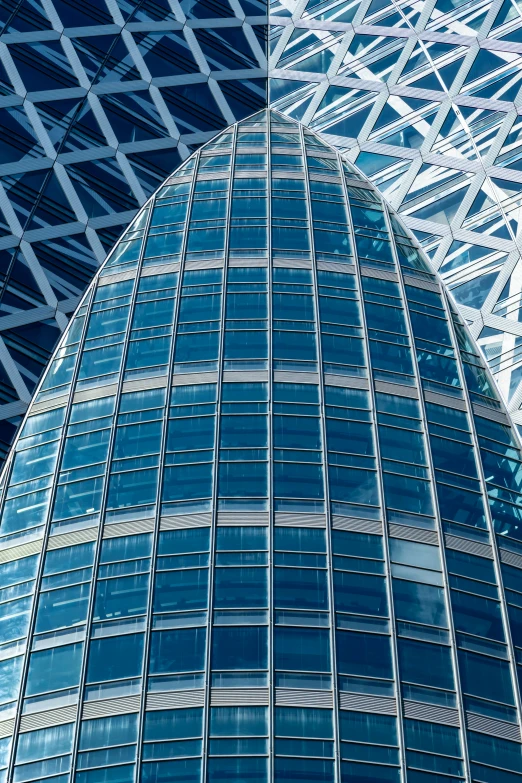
{"x":100,"y":101}
{"x":262,"y":521}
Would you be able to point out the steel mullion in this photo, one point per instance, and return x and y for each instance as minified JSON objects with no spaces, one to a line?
{"x":103,"y":506}
{"x":435,"y":501}
{"x":487,"y":510}
{"x":214,"y":502}
{"x":270,"y":466}
{"x":161,"y":477}
{"x":328,"y":516}
{"x":87,"y":302}
{"x":371,"y":389}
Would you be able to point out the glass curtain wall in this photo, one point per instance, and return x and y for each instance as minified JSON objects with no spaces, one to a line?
{"x":263,"y":518}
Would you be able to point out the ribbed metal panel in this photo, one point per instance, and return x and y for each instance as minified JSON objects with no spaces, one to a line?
{"x":443,"y":399}
{"x":346,"y":382}
{"x":356,"y":183}
{"x":427,"y":285}
{"x":293,"y":263}
{"x":335,"y":266}
{"x":185,"y":520}
{"x":222,"y":697}
{"x":430,"y":712}
{"x":175,"y":700}
{"x":357,"y":525}
{"x":17,"y":552}
{"x":396,"y":388}
{"x":128,"y":528}
{"x":97,"y":709}
{"x":251,"y":262}
{"x":281,"y":376}
{"x":6,"y":728}
{"x":247,"y":518}
{"x":142,"y":384}
{"x":381,"y":274}
{"x":324,"y":177}
{"x":510,"y":558}
{"x":128,"y":274}
{"x":72,"y":538}
{"x":471,"y":547}
{"x":259,"y":376}
{"x":194,"y":377}
{"x":497,"y":728}
{"x":490,"y":413}
{"x":49,"y":405}
{"x":413,"y":534}
{"x":96,"y":393}
{"x":361,"y":702}
{"x":299,"y":520}
{"x":303,"y":698}
{"x":291,"y":174}
{"x":160,"y":269}
{"x":205,"y":263}
{"x":41,"y":720}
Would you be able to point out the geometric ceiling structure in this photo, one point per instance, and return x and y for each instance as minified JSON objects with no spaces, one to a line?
{"x":425,"y":98}
{"x":100,"y":100}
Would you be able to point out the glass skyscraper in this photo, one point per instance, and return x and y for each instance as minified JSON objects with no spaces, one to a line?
{"x":100,"y":101}
{"x":262,"y":522}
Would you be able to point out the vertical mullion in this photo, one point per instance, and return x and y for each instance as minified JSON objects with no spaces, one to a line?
{"x":371,"y":387}
{"x":214,"y":514}
{"x":487,"y":509}
{"x":329,"y":559}
{"x":161,"y":475}
{"x":103,"y":506}
{"x":270,"y":466}
{"x":435,"y":501}
{"x":87,"y":302}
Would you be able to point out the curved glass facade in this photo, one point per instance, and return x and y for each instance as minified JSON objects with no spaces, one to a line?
{"x":262,"y":521}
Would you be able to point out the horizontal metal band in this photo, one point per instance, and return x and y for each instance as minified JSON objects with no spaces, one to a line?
{"x":446,"y":400}
{"x":41,"y":720}
{"x":430,"y":712}
{"x":417,"y":282}
{"x":301,"y":697}
{"x":22,"y":550}
{"x":361,"y":702}
{"x":194,"y":377}
{"x":49,"y":404}
{"x":144,"y":384}
{"x":490,"y":413}
{"x":380,"y":274}
{"x":95,"y":393}
{"x":243,"y":518}
{"x":510,"y":558}
{"x":471,"y":547}
{"x":222,"y":697}
{"x":413,"y":534}
{"x":372,"y":526}
{"x":173,"y":700}
{"x":346,"y":382}
{"x":299,"y":520}
{"x":159,"y":269}
{"x":497,"y":728}
{"x":185,"y":520}
{"x":396,"y":388}
{"x":6,"y":728}
{"x":72,"y":538}
{"x":121,"y":706}
{"x":117,"y":277}
{"x":284,"y":376}
{"x":128,"y":528}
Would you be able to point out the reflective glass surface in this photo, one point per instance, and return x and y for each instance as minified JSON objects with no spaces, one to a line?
{"x":262,"y":521}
